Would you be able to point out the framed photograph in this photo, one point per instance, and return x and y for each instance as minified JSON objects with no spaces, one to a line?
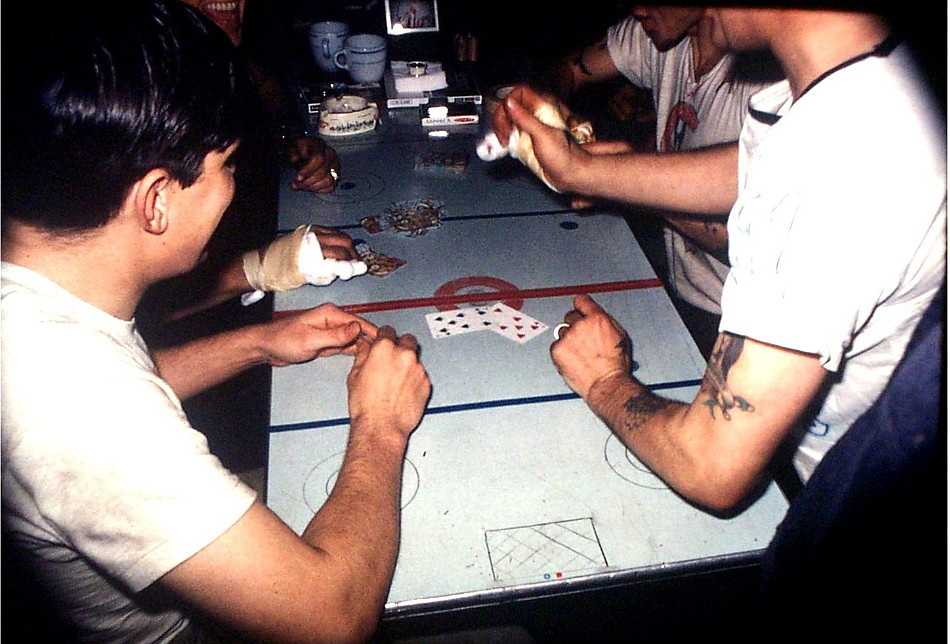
{"x":411,"y":16}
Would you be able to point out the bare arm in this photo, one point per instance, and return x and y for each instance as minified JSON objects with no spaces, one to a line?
{"x":715,"y":450}
{"x":710,"y":234}
{"x":557,"y":84}
{"x":592,"y":64}
{"x":330,"y":584}
{"x":196,"y":366}
{"x":698,"y":181}
{"x":230,"y":280}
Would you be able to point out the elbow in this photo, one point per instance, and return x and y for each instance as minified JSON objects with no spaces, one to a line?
{"x":362,"y":630}
{"x":352,"y":622}
{"x":719,"y":492}
{"x":343,"y":629}
{"x":721,"y":504}
{"x":336,"y":617}
{"x":357,"y":634}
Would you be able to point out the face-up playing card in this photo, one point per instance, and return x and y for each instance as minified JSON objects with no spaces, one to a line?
{"x":378,"y":264}
{"x":415,"y":217}
{"x":451,"y":163}
{"x":513,"y":324}
{"x":443,"y":324}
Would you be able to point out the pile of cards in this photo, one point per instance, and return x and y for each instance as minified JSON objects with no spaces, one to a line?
{"x":500,"y":318}
{"x":451,"y":163}
{"x":377,"y":263}
{"x":414,"y":217}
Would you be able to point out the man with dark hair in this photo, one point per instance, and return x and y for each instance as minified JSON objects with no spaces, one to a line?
{"x":699,"y":96}
{"x":116,"y":170}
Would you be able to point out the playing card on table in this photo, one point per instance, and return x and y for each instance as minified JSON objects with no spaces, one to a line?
{"x":451,"y":163}
{"x":415,"y":216}
{"x":372,"y":223}
{"x":443,"y":324}
{"x":513,"y":324}
{"x":377,"y":263}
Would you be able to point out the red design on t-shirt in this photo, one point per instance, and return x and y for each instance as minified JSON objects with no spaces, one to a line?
{"x":682,"y":115}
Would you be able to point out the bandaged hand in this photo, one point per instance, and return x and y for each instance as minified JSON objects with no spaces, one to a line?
{"x":293,"y":260}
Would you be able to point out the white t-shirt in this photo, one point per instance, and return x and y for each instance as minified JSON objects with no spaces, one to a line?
{"x":105,"y":485}
{"x":838,"y":238}
{"x":691,"y":113}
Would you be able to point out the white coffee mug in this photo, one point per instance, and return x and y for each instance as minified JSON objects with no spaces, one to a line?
{"x":326,"y":39}
{"x":364,"y":57}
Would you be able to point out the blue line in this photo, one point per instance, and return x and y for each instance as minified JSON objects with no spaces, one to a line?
{"x":536,"y":213}
{"x":500,"y":215}
{"x":488,"y":404}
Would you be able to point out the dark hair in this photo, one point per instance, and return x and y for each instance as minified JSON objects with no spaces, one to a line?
{"x":101,"y":92}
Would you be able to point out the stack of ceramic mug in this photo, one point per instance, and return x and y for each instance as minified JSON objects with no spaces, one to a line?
{"x":363,"y":56}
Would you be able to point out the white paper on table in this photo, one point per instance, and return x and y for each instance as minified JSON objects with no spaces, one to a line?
{"x":433,"y":79}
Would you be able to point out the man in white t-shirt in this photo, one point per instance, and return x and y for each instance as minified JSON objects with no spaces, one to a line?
{"x":837,"y":246}
{"x":118,"y":171}
{"x":700,"y":99}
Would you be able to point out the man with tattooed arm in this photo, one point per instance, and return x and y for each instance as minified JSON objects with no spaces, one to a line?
{"x":824,"y":289}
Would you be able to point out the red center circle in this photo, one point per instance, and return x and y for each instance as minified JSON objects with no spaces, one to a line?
{"x":476,"y":285}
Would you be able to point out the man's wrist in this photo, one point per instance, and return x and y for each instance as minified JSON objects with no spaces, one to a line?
{"x":384,"y":434}
{"x":255,"y":340}
{"x":606,"y":390}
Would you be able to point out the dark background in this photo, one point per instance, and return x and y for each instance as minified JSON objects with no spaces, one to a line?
{"x":517,"y":36}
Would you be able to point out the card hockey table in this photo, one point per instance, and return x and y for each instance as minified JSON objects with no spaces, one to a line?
{"x":512,"y":486}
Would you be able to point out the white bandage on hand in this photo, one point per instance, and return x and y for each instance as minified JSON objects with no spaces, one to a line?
{"x":275,"y":267}
{"x":293,"y":260}
{"x":320,"y":271}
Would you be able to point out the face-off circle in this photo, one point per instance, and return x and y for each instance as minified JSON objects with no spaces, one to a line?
{"x":626,"y":466}
{"x":322,"y":478}
{"x":355,"y":188}
{"x":477,"y":284}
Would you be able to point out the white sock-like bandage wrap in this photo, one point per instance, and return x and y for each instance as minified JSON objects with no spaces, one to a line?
{"x":290,"y":262}
{"x":520,"y":146}
{"x":320,"y":271}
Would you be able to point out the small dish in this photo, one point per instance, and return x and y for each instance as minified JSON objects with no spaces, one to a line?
{"x":417,"y":67}
{"x":346,"y":115}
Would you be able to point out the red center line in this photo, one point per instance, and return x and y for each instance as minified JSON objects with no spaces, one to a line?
{"x":461,"y":298}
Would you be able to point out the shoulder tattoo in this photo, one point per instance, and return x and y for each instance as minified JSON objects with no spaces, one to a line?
{"x":715,"y":386}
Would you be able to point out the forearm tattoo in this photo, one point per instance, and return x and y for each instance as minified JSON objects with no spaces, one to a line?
{"x":719,"y":396}
{"x":641,"y":408}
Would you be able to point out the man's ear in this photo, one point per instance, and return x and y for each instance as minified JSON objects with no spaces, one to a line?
{"x":152,"y":196}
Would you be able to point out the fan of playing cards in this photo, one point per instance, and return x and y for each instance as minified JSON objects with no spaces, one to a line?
{"x":377,"y":263}
{"x":500,"y":318}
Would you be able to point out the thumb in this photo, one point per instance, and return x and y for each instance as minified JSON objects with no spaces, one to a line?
{"x":342,"y":335}
{"x":502,"y":123}
{"x":362,"y":353}
{"x":586,"y":305}
{"x":521,"y":116}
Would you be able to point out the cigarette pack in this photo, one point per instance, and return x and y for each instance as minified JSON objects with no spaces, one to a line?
{"x":439,"y":113}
